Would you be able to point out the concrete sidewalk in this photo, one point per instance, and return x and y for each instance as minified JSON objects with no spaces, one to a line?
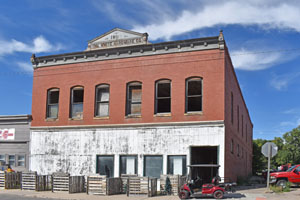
{"x":242,"y":193}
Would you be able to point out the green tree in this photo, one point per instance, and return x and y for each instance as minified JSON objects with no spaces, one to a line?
{"x":292,"y":146}
{"x":259,"y":160}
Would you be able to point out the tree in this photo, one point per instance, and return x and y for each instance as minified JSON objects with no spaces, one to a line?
{"x":292,"y":146}
{"x":259,"y":161}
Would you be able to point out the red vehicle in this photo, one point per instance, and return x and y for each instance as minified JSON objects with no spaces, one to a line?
{"x":214,"y":189}
{"x":291,"y":175}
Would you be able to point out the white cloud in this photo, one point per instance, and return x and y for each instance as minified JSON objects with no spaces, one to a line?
{"x":266,"y":14}
{"x":25,"y":66}
{"x":247,"y":60}
{"x":280,"y":82}
{"x":39,"y":44}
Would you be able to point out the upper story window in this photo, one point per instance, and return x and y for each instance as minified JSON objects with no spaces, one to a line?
{"x":163,"y":96}
{"x":238,"y":118}
{"x":52,"y":103}
{"x":231,"y":108}
{"x":102,"y":101}
{"x":134,"y":98}
{"x":231,"y":146}
{"x":76,"y":110}
{"x":193,"y":97}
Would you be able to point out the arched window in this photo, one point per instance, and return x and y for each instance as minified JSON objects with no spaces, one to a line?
{"x":52,"y":103}
{"x":163,"y":96}
{"x":76,"y":107}
{"x":193,"y":95}
{"x":102,"y":100}
{"x":134,"y":98}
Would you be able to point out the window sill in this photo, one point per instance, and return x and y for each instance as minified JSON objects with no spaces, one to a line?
{"x":75,"y":119}
{"x":194,"y":113}
{"x":133,"y":116}
{"x":163,"y":115}
{"x":51,"y":119}
{"x":101,"y":118}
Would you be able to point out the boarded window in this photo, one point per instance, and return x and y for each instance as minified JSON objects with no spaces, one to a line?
{"x":102,"y":101}
{"x":128,"y":165}
{"x":193,"y":95}
{"x":177,"y":165}
{"x":77,"y":102}
{"x":153,"y":166}
{"x":134,"y":99}
{"x":52,"y":103}
{"x":11,"y":160}
{"x":163,"y":96}
{"x":105,"y":165}
{"x":21,"y":160}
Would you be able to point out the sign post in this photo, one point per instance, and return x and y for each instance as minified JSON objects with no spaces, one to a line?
{"x":269,"y":149}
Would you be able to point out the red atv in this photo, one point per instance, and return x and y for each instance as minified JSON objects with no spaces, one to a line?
{"x":214,"y":189}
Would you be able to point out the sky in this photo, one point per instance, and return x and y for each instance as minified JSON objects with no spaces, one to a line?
{"x":263,"y":37}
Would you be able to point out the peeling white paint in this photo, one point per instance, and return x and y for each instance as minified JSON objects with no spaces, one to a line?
{"x":74,"y":150}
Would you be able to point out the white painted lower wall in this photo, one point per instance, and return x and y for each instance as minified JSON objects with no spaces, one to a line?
{"x":74,"y":150}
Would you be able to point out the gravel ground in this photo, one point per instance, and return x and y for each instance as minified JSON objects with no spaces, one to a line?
{"x":244,"y":193}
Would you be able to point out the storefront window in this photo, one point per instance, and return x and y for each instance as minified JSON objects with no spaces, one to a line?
{"x":2,"y":159}
{"x":11,"y":160}
{"x":177,"y":165}
{"x":105,"y":165}
{"x":128,"y":165}
{"x":21,"y":160}
{"x":153,"y":166}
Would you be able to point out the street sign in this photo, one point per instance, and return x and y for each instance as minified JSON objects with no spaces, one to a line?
{"x":269,"y":149}
{"x":269,"y":146}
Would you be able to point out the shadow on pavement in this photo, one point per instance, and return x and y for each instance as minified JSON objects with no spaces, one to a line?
{"x":234,"y":196}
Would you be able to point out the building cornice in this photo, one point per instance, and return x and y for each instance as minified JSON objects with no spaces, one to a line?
{"x":198,"y":44}
{"x":136,"y":125}
{"x":14,"y":117}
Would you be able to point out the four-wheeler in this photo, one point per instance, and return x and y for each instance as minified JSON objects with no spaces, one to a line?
{"x":214,"y":189}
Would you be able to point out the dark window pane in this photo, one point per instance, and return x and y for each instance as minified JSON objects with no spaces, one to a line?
{"x":105,"y":165}
{"x":77,"y":95}
{"x":11,"y":160}
{"x":163,"y":90}
{"x":128,"y":165}
{"x":103,"y":94}
{"x":163,"y":105}
{"x":53,"y":97}
{"x":153,"y":166}
{"x":194,"y":87}
{"x":194,"y":104}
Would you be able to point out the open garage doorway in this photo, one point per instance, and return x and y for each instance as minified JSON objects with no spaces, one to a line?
{"x":204,"y":155}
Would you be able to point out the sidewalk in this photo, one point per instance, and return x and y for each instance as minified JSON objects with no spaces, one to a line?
{"x":244,"y":194}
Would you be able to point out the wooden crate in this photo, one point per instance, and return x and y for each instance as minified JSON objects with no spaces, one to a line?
{"x":142,"y":186}
{"x":65,"y":183}
{"x":176,"y":182}
{"x":2,"y":180}
{"x":96,"y":185}
{"x":124,"y":178}
{"x":28,"y":181}
{"x":114,"y":186}
{"x":10,"y":180}
{"x":43,"y":183}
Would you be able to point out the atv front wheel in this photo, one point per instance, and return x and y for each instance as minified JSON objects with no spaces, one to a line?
{"x":184,"y":195}
{"x":218,"y":194}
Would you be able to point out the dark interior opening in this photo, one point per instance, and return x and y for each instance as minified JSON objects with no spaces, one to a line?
{"x":204,"y":155}
{"x":163,"y":97}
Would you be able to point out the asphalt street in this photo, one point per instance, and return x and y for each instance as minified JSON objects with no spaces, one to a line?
{"x":18,"y":197}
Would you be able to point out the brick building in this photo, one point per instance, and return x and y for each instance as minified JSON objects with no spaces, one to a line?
{"x":126,"y":106}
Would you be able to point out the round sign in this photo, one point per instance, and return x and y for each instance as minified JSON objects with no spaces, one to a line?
{"x":267,"y":147}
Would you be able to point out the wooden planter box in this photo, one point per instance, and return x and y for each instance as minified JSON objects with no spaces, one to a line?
{"x":32,"y":181}
{"x":176,"y":182}
{"x":10,"y":180}
{"x":142,"y":186}
{"x":100,"y":185}
{"x":66,"y":183}
{"x":125,"y":178}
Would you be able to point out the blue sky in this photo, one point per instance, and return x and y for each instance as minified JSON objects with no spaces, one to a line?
{"x":263,"y":37}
